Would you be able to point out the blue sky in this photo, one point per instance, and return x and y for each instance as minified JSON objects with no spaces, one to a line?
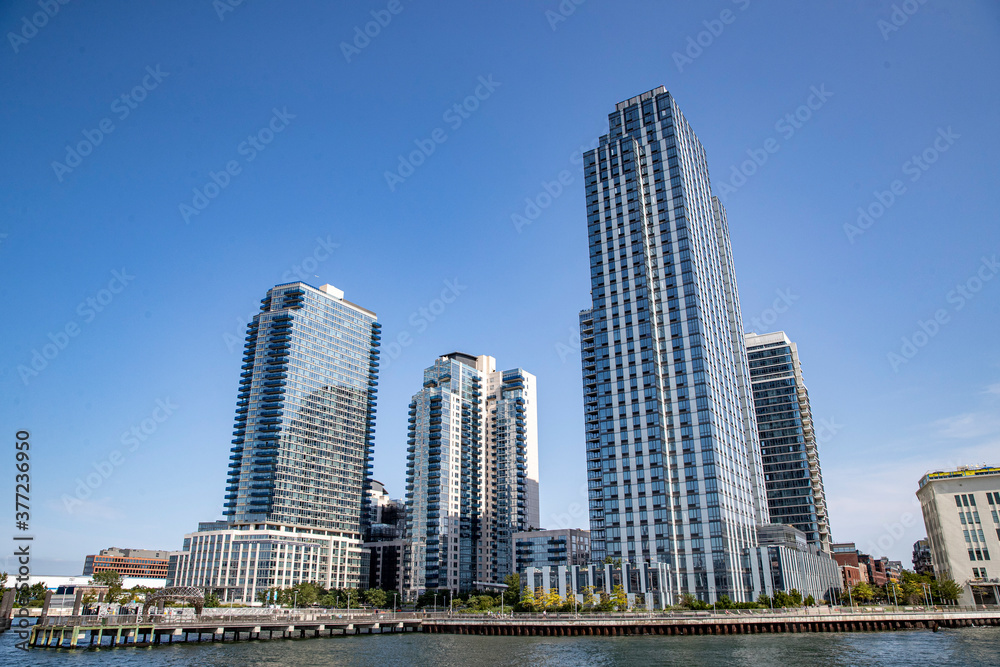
{"x":278,"y":138}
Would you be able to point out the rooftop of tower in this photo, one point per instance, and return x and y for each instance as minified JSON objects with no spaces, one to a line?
{"x":659,"y":90}
{"x":332,"y":292}
{"x":467,"y":359}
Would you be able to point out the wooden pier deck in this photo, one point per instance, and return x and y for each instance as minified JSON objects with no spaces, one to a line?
{"x":90,"y":632}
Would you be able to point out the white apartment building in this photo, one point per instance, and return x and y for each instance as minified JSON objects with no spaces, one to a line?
{"x":962,"y":515}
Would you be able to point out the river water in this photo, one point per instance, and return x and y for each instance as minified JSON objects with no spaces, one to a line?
{"x":967,"y":646}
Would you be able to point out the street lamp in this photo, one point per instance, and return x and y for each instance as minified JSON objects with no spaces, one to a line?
{"x":295,"y":600}
{"x":435,"y":602}
{"x":394,"y":605}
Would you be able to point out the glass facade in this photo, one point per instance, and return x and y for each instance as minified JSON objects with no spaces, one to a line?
{"x":305,"y":415}
{"x":297,"y":495}
{"x":444,"y":526}
{"x":673,"y":463}
{"x":472,"y":473}
{"x":789,"y":453}
{"x":540,"y":548}
{"x":514,"y":464}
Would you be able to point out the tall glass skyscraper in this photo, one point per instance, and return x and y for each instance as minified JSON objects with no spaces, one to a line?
{"x":471,"y":473}
{"x":300,"y":465}
{"x":674,"y":471}
{"x":789,"y":451}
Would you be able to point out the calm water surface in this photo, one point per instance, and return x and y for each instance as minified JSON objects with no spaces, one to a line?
{"x":967,"y":646}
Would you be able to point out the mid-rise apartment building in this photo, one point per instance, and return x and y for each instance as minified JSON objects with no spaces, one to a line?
{"x":472,"y":472}
{"x":961,"y":511}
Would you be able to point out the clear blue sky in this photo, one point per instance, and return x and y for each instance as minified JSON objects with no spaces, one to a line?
{"x":315,"y":200}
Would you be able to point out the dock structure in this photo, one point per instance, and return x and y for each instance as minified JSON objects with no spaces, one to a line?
{"x":92,"y":632}
{"x":89,"y":632}
{"x":715,"y":624}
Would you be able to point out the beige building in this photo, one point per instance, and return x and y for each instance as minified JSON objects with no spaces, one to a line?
{"x":962,"y":515}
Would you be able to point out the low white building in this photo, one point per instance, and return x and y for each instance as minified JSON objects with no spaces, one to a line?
{"x":237,"y":561}
{"x":961,"y":511}
{"x":55,"y":582}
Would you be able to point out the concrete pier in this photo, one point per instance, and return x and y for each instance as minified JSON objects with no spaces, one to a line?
{"x":714,"y":624}
{"x":90,"y":633}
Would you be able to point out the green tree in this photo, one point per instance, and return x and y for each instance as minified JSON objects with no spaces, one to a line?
{"x":528,"y":601}
{"x":33,"y":594}
{"x":948,"y":591}
{"x":113,"y":581}
{"x":513,"y":592}
{"x":3,"y":580}
{"x":783,"y":599}
{"x":375,"y":597}
{"x":589,"y":601}
{"x":810,"y":601}
{"x":619,"y":597}
{"x":910,"y":592}
{"x":764,"y":601}
{"x":796,"y":598}
{"x":302,"y":594}
{"x":212,"y":601}
{"x":724,"y":602}
{"x":863,"y":592}
{"x":551,"y":600}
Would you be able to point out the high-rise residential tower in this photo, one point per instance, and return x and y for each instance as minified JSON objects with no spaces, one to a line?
{"x":472,"y":473}
{"x":300,"y":466}
{"x":673,"y":462}
{"x":789,"y":452}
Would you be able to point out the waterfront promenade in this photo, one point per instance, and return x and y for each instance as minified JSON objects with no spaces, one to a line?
{"x":116,"y":632}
